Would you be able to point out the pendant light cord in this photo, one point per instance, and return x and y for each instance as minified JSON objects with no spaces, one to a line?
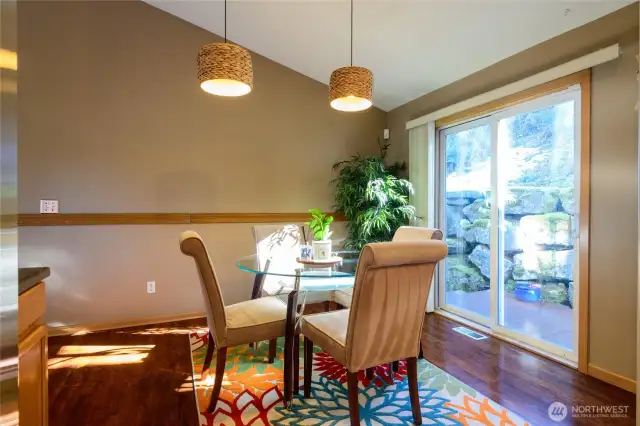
{"x":351,"y":32}
{"x":225,"y":21}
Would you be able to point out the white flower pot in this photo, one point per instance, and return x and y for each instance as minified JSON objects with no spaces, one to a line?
{"x":321,"y":250}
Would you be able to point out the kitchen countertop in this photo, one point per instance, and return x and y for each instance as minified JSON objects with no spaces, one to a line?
{"x":29,"y":277}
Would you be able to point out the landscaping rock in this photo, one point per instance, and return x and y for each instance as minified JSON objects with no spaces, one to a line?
{"x":476,"y":232}
{"x":522,"y":202}
{"x":462,"y":198}
{"x":481,"y":258}
{"x":454,"y":217}
{"x":479,"y":232}
{"x":570,"y":294}
{"x":461,"y":275}
{"x":546,"y":229}
{"x":479,"y":209}
{"x":547,"y":264}
{"x":567,"y":200}
{"x":512,"y":241}
{"x":457,"y":246}
{"x":554,"y":293}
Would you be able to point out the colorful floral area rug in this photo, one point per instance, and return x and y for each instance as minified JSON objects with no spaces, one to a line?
{"x":252,"y":393}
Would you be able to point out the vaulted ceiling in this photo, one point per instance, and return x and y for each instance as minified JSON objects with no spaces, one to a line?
{"x":412,"y":47}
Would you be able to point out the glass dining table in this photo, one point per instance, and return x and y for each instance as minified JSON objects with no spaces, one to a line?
{"x":295,"y":280}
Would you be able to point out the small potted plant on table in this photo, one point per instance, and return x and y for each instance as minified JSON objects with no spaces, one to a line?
{"x":320,"y":224}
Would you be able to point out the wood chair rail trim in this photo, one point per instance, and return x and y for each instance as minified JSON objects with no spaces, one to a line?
{"x":101,"y":219}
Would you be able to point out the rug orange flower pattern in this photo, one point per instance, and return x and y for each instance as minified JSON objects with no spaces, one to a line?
{"x":252,"y":393}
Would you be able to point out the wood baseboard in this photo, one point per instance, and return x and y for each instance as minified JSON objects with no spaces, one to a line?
{"x":92,"y":328}
{"x":612,"y":378}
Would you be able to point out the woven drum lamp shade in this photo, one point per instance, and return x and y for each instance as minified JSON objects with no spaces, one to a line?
{"x":351,"y":89}
{"x":225,"y":69}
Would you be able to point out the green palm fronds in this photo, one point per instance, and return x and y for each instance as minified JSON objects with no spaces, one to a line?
{"x":374,"y":201}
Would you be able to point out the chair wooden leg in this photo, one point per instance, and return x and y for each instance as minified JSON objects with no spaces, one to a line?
{"x":289,"y":337}
{"x":308,"y":366}
{"x":354,"y":405}
{"x":412,"y":376}
{"x":207,"y":359}
{"x":395,"y":365}
{"x":369,"y":372}
{"x":326,"y":305}
{"x":296,"y":364}
{"x":220,"y":362}
{"x":420,"y":354}
{"x":273,"y":346}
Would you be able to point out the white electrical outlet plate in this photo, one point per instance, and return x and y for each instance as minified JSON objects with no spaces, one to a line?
{"x":48,"y":206}
{"x":151,"y":286}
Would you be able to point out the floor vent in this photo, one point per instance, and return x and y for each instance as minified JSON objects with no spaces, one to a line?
{"x":470,"y":333}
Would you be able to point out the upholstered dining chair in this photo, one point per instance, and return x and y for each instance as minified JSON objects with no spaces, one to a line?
{"x":238,"y":324}
{"x":404,"y":233}
{"x":385,"y":321}
{"x":281,"y":244}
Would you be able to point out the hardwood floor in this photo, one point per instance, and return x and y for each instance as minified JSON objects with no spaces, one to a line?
{"x":517,"y":379}
{"x":134,"y":376}
{"x":149,"y":365}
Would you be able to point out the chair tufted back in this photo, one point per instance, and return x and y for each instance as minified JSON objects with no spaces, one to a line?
{"x":416,"y":233}
{"x":393,"y":280}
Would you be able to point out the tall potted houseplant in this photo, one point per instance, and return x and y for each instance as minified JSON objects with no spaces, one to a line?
{"x":320,"y":226}
{"x":374,"y":200}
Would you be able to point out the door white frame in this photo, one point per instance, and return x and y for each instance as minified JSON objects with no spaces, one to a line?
{"x":573,"y":93}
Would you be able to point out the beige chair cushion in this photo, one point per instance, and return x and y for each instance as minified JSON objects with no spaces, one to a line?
{"x":329,"y":331}
{"x":255,"y":320}
{"x":343,"y":296}
{"x":245,"y":322}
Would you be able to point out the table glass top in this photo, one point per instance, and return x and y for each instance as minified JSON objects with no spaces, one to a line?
{"x":287,"y":266}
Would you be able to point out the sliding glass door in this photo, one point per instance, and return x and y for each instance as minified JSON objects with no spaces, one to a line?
{"x":466,"y":166}
{"x":509,"y":207}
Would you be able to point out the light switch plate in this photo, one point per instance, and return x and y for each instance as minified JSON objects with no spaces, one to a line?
{"x":151,"y":287}
{"x":48,"y":206}
{"x":385,"y":134}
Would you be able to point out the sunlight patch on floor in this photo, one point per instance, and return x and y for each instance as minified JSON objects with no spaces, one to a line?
{"x":93,"y":349}
{"x":165,"y":330}
{"x":201,"y":383}
{"x":78,"y":356}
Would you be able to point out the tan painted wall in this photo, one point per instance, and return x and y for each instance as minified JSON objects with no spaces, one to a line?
{"x":614,"y":214}
{"x":614,"y":246}
{"x":112,"y":119}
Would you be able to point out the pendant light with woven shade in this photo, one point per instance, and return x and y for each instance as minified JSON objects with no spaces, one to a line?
{"x":351,"y":88}
{"x":225,"y":69}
